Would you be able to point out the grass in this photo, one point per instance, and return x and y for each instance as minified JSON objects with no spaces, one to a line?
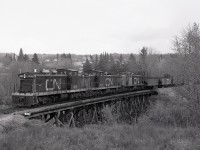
{"x":118,"y":136}
{"x":166,"y":125}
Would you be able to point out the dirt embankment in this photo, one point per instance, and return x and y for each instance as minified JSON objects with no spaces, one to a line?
{"x":168,"y":91}
{"x":11,"y":121}
{"x":172,"y":93}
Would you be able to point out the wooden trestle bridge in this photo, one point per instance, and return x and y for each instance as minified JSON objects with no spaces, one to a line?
{"x":80,"y":112}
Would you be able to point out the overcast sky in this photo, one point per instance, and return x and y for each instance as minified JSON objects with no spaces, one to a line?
{"x":93,"y":26}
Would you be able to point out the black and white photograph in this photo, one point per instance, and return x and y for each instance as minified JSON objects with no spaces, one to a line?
{"x":99,"y":74}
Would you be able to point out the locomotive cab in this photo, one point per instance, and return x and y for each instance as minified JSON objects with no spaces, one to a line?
{"x":22,"y":94}
{"x":95,"y":76}
{"x":26,"y":83}
{"x":72,"y":78}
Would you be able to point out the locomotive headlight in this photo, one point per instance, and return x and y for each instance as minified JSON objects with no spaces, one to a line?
{"x":27,"y":114}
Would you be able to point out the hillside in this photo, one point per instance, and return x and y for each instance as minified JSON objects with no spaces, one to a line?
{"x":162,"y":127}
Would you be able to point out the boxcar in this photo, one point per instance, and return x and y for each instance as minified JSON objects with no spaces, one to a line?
{"x":166,"y":81}
{"x":152,"y":81}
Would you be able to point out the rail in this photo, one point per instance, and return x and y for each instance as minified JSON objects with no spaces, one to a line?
{"x":34,"y":112}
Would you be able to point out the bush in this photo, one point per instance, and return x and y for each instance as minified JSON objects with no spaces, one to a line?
{"x":160,"y":128}
{"x":108,"y":116}
{"x":2,"y":94}
{"x":173,"y":111}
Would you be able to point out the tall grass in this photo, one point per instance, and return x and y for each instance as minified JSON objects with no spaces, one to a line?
{"x":101,"y":137}
{"x":167,"y":124}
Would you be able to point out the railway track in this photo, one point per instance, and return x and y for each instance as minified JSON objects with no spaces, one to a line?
{"x":70,"y":105}
{"x":34,"y":112}
{"x":10,"y":110}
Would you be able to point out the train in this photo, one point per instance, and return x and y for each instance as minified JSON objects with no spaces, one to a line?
{"x":55,"y":85}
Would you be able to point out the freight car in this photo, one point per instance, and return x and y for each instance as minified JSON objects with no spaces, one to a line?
{"x":167,"y":81}
{"x":159,"y":82}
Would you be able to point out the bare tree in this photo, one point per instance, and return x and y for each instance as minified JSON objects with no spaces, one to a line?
{"x":188,"y":47}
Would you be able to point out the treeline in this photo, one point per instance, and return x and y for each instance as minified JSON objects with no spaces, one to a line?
{"x":145,"y":63}
{"x":9,"y":58}
{"x":107,"y":63}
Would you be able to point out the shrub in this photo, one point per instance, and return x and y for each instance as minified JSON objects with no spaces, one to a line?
{"x":173,"y":111}
{"x":108,"y":116}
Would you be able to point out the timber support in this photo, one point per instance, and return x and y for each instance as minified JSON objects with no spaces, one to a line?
{"x":125,"y":107}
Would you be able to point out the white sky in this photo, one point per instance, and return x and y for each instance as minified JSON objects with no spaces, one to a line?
{"x":93,"y":26}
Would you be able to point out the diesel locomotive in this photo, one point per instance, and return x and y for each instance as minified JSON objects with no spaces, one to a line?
{"x":49,"y":86}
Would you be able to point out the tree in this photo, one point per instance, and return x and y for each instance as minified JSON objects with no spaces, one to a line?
{"x":87,"y":66}
{"x":26,"y":58}
{"x":143,"y":64}
{"x":187,"y":47}
{"x":6,"y":60}
{"x":69,"y":57}
{"x":92,"y":60}
{"x":111,"y":64}
{"x":57,"y":57}
{"x":96,"y":61}
{"x":101,"y":65}
{"x":21,"y":55}
{"x":35,"y":58}
{"x":14,"y":57}
{"x":132,"y":64}
{"x":63,"y":56}
{"x":120,"y":65}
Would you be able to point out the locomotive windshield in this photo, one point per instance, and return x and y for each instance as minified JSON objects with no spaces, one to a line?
{"x":26,"y":85}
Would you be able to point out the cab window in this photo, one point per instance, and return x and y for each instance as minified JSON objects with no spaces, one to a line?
{"x":26,"y":85}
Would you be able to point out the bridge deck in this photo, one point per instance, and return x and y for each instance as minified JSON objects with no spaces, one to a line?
{"x":34,"y":112}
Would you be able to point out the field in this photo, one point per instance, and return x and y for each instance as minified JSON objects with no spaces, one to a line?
{"x":168,"y":124}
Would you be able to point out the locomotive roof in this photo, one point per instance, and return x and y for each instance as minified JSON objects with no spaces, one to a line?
{"x":34,"y":74}
{"x":152,"y":77}
{"x":72,"y":70}
{"x":93,"y":70}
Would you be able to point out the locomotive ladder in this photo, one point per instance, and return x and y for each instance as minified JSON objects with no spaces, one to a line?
{"x":88,"y":111}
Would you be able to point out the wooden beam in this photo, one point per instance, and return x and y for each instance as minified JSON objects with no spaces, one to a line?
{"x":71,"y":121}
{"x":94,"y":116}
